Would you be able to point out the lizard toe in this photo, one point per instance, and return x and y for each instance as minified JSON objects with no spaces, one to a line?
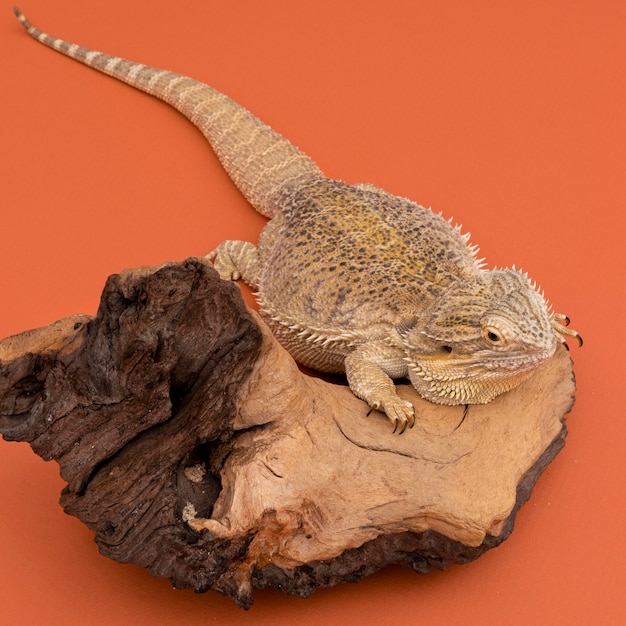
{"x":401,"y":413}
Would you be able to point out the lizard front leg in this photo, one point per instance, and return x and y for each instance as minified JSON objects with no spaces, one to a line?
{"x":237,"y":259}
{"x":369,"y":369}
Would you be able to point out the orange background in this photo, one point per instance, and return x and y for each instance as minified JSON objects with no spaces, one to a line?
{"x":508,"y":116}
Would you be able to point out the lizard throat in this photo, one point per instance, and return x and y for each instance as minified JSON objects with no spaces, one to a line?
{"x":458,"y":381}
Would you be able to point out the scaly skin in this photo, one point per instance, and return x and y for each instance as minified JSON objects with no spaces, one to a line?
{"x":351,"y":278}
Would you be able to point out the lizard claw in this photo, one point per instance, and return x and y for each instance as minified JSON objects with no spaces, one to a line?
{"x":560,"y":323}
{"x":401,"y":413}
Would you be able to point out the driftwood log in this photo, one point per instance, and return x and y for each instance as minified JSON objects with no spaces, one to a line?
{"x":192,"y":445}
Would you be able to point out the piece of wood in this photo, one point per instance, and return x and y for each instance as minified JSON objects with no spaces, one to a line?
{"x":194,"y":446}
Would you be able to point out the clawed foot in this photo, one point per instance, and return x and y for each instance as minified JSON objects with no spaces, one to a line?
{"x":560,"y":324}
{"x":369,"y":369}
{"x":224,"y":265}
{"x":236,"y":259}
{"x":400,"y":412}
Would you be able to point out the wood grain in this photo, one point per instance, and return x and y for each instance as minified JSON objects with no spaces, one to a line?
{"x":193,"y":445}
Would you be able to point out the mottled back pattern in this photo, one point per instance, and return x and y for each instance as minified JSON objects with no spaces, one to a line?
{"x":351,"y":278}
{"x":350,"y":257}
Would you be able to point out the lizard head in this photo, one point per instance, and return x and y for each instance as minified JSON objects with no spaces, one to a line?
{"x":481,"y":338}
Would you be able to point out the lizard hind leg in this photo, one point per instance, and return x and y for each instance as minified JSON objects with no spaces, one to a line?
{"x":237,"y":259}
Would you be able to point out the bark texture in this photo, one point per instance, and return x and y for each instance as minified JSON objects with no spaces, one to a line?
{"x":193,"y":445}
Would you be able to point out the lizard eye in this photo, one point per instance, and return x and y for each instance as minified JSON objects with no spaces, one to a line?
{"x":493,"y":335}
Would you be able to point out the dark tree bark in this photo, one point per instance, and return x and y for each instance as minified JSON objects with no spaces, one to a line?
{"x":192,"y":445}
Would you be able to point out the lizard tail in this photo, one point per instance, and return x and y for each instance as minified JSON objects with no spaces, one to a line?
{"x":260,"y":162}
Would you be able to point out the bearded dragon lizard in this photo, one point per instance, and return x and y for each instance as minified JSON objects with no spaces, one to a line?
{"x":351,"y":278}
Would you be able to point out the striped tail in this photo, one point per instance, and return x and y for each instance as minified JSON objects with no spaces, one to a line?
{"x":259,"y":161}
